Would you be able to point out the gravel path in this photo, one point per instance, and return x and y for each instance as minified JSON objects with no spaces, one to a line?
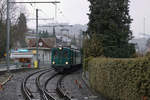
{"x":4,"y":77}
{"x":77,"y":89}
{"x":12,"y":89}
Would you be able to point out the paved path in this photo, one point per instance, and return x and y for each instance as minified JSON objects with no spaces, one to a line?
{"x":78,"y":89}
{"x":12,"y":89}
{"x":3,"y":67}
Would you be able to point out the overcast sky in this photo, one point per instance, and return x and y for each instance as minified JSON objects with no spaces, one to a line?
{"x":68,"y":11}
{"x":138,"y":10}
{"x":75,"y":12}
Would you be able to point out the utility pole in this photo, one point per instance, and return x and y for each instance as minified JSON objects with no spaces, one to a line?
{"x":80,"y":38}
{"x":54,"y":32}
{"x":8,"y":25}
{"x":37,"y":39}
{"x":55,"y":12}
{"x":8,"y":36}
{"x":55,"y":4}
{"x":144,"y":25}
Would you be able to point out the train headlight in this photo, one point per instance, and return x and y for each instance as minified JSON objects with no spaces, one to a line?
{"x":53,"y":62}
{"x":67,"y":63}
{"x":60,"y":48}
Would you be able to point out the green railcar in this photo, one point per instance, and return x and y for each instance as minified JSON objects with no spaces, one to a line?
{"x":65,"y":58}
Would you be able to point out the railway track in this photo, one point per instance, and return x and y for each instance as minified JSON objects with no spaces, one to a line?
{"x":44,"y":92}
{"x":61,"y":90}
{"x":61,"y":94}
{"x":42,"y":88}
{"x":28,"y":92}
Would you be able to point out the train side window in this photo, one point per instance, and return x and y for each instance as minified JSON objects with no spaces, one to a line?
{"x":78,"y":54}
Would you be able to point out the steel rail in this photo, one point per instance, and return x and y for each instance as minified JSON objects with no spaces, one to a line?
{"x":45,"y":84}
{"x":59,"y":85}
{"x":40,"y":88}
{"x":26,"y":92}
{"x":60,"y":90}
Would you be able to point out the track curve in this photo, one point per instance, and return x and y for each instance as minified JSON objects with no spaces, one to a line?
{"x":25,"y":90}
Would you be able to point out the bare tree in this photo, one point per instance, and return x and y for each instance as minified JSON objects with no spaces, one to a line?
{"x":3,"y":10}
{"x":3,"y":13}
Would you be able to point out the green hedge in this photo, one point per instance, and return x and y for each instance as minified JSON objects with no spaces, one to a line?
{"x":121,"y":79}
{"x":85,"y":63}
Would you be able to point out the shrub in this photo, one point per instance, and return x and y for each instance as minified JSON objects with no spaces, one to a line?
{"x":121,"y":79}
{"x":147,"y":54}
{"x":85,"y":63}
{"x":93,"y":46}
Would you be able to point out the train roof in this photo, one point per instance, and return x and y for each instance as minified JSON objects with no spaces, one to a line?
{"x":68,"y":47}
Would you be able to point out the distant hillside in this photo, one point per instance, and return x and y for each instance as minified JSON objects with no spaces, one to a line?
{"x":73,"y":29}
{"x":141,"y":42}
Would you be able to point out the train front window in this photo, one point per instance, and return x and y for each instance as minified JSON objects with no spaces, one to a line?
{"x":55,"y":54}
{"x":65,"y":54}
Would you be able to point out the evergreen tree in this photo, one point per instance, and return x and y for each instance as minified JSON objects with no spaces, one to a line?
{"x":20,"y":30}
{"x":148,"y":43}
{"x":110,"y":20}
{"x":93,"y":47}
{"x":44,"y":34}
